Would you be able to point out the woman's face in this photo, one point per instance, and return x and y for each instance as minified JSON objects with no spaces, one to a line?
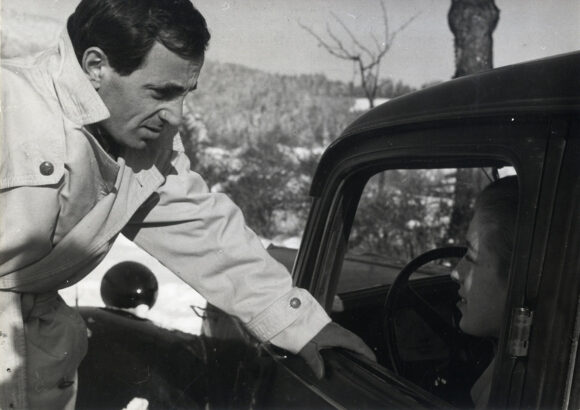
{"x":482,"y":287}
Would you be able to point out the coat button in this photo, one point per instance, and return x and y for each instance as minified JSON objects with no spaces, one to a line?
{"x":295,"y":303}
{"x":46,"y":168}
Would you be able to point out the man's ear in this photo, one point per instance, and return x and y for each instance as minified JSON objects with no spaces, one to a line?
{"x":95,"y":65}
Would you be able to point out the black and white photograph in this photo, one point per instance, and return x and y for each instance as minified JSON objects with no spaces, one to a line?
{"x":274,"y":204}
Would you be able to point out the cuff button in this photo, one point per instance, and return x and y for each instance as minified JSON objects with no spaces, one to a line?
{"x":46,"y":168}
{"x":295,"y":303}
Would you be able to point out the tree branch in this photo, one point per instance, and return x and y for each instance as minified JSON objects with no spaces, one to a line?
{"x":369,"y":70}
{"x":402,"y":27}
{"x":337,"y":51}
{"x":352,"y":36}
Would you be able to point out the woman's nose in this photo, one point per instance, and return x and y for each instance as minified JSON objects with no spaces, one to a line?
{"x":455,"y":273}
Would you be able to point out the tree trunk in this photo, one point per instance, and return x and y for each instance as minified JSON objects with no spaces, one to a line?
{"x":472,"y":22}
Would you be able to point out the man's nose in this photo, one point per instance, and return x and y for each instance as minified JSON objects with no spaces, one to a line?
{"x":172,"y":113}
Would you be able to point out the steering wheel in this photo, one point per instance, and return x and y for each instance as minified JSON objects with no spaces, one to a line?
{"x":444,"y":328}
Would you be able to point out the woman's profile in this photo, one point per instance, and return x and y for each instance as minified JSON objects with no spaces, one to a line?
{"x":482,"y":274}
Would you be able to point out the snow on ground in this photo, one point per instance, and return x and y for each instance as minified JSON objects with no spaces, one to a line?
{"x":362,"y":104}
{"x":173,"y":307}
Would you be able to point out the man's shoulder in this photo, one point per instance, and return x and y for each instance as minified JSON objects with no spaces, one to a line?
{"x":29,"y":71}
{"x":32,"y":121}
{"x":28,"y":93}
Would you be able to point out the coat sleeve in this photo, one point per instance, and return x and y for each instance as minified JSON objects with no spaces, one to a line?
{"x":202,"y":237}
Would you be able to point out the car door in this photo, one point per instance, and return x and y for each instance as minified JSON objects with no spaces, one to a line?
{"x":347,"y":167}
{"x":495,"y":142}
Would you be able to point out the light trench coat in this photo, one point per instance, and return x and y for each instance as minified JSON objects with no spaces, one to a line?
{"x":64,"y":200}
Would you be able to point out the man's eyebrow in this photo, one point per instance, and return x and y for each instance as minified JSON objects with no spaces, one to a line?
{"x":170,"y":88}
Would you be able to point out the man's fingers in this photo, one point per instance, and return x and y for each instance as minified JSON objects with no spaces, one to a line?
{"x":334,"y":335}
{"x":360,"y":347}
{"x":313,"y":359}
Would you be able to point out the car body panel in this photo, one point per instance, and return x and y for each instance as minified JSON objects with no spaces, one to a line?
{"x":545,"y":86}
{"x":130,"y":357}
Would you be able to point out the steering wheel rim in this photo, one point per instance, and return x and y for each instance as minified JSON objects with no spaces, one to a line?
{"x":400,"y":285}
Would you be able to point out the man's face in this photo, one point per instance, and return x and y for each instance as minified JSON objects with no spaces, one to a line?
{"x":482,"y":287}
{"x":149,"y":99}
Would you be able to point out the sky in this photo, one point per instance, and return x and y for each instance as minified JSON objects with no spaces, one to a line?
{"x":266,"y":34}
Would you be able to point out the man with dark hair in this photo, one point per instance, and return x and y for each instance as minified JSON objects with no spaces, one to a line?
{"x":90,"y":150}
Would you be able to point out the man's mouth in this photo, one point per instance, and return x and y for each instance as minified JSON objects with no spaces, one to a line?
{"x":154,"y":130}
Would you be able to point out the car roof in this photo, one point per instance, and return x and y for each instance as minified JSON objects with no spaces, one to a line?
{"x":548,"y":85}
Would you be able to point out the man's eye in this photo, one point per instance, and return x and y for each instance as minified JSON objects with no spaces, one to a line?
{"x":159,"y":95}
{"x":166,"y":95}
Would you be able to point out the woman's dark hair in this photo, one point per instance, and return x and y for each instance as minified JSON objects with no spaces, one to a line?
{"x":497,"y":206}
{"x":127,"y":29}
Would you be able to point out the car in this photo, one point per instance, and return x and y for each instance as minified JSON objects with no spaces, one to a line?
{"x":390,"y":202}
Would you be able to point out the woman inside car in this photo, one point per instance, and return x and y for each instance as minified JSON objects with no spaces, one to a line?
{"x":482,"y":274}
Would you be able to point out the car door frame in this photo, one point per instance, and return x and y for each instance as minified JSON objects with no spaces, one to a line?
{"x":521,"y":141}
{"x":551,"y":377}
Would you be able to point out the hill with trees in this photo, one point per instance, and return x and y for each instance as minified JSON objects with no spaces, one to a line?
{"x":257,"y":136}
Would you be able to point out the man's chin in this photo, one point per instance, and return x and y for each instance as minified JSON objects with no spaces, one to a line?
{"x":139,"y":144}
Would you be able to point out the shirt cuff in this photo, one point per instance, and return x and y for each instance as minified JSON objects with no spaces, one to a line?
{"x":291,"y":321}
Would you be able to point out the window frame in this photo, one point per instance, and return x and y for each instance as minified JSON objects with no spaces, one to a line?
{"x":521,"y":143}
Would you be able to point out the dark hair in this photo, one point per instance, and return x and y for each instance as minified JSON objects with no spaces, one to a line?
{"x":497,"y":206}
{"x":127,"y":29}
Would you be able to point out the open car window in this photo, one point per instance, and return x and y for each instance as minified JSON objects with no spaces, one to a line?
{"x":403,"y":213}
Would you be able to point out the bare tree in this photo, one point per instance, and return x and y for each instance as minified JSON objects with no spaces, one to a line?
{"x":367,"y":59}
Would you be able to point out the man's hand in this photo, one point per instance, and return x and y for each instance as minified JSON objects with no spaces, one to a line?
{"x":332,"y":335}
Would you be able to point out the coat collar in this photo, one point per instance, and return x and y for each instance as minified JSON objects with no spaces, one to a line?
{"x":79,"y":100}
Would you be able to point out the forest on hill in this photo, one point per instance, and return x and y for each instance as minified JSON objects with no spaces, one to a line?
{"x":258,"y":136}
{"x":243,"y":105}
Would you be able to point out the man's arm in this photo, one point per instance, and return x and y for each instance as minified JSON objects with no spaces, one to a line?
{"x":203,"y":238}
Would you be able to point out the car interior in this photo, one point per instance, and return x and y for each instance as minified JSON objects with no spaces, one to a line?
{"x":395,"y":289}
